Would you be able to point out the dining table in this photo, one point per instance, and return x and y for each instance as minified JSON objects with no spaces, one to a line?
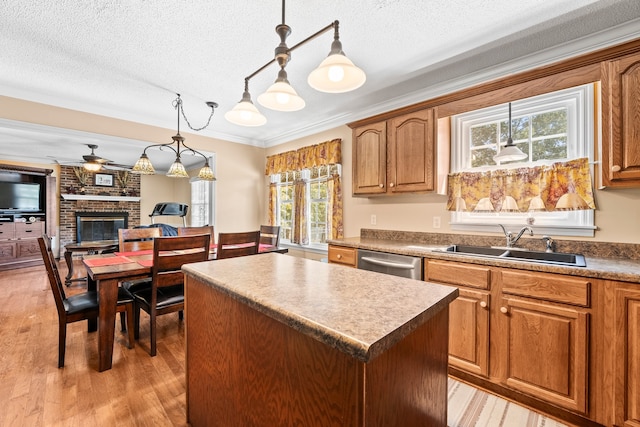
{"x":104,"y":274}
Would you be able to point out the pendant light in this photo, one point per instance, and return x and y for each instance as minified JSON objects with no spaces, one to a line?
{"x":510,"y":152}
{"x":177,"y":170}
{"x":335,"y":74}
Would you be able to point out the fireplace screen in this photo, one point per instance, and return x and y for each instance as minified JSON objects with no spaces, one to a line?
{"x":99,"y":226}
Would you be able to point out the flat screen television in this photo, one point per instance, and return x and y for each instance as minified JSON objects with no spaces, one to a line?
{"x":20,"y":196}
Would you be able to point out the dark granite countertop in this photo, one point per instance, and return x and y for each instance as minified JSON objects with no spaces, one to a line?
{"x":358,"y":312}
{"x":419,"y":244}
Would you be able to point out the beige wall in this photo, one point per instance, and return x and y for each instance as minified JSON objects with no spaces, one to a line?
{"x":239,"y":168}
{"x":241,"y":188}
{"x":616,"y":216}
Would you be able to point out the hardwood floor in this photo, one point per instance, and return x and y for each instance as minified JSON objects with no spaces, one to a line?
{"x":138,"y":390}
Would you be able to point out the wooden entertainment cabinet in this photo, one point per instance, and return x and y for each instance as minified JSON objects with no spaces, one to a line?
{"x":19,"y":230}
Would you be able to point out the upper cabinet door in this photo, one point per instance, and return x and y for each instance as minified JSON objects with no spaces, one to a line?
{"x":412,"y":153}
{"x":370,"y":159}
{"x":621,"y":122}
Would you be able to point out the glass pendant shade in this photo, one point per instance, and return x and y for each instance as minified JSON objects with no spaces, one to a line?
{"x":206,"y":173}
{"x":336,"y":74}
{"x":245,"y":113}
{"x":509,"y":153}
{"x":281,"y":96}
{"x":143,"y":166}
{"x":177,"y":170}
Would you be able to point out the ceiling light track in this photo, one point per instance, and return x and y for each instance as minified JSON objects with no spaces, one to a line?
{"x":335,"y":74}
{"x":143,"y":165}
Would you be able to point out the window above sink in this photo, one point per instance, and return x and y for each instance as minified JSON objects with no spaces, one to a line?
{"x":549,"y":128}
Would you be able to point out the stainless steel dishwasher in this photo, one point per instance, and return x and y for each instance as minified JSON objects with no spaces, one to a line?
{"x":396,"y":265}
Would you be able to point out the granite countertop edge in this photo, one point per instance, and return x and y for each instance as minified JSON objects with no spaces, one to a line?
{"x":362,"y":351}
{"x":626,"y":270}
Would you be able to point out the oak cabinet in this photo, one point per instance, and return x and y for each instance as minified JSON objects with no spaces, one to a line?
{"x":627,"y":356}
{"x":620,"y":124}
{"x":528,"y":333}
{"x":468,"y":314}
{"x":396,"y":156}
{"x":370,"y":159}
{"x":342,"y":255}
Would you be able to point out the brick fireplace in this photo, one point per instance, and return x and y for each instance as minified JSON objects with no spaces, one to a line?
{"x":97,"y":200}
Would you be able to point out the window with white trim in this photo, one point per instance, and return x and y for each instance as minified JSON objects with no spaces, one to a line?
{"x":202,"y":201}
{"x":549,"y":128}
{"x":316,"y":217}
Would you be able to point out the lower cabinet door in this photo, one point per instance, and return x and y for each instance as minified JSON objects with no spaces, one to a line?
{"x":545,"y":351}
{"x":469,"y":331}
{"x":27,"y":249}
{"x":627,"y":357}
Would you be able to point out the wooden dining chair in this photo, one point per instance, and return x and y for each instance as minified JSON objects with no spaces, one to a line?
{"x":237,"y":244}
{"x":192,"y":231}
{"x":270,"y":235}
{"x":137,"y":239}
{"x":82,"y":306}
{"x":166,"y":294}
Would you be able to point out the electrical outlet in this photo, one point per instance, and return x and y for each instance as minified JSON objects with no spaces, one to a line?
{"x":436,"y":222}
{"x":373,"y":220}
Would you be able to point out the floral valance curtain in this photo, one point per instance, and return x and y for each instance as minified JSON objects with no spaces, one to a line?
{"x":325,"y":153}
{"x":558,"y":187}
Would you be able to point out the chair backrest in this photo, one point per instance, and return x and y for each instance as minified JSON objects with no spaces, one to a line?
{"x":171,"y":253}
{"x":52,"y":272}
{"x":192,"y":231}
{"x":237,"y":244}
{"x":270,"y":235}
{"x":137,"y":239}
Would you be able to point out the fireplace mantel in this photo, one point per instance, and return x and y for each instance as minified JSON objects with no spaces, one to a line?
{"x":101,"y":198}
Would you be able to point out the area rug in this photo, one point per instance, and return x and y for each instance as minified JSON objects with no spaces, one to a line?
{"x":469,"y":407}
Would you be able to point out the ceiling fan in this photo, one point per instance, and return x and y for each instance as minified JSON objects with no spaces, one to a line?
{"x":94,"y":163}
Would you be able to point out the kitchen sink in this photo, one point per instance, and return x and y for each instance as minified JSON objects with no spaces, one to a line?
{"x":516,"y":254}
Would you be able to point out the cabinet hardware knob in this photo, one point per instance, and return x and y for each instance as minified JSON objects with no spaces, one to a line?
{"x":483,"y":304}
{"x":504,"y":310}
{"x":391,"y":184}
{"x":381,"y":185}
{"x":339,"y":256}
{"x":616,"y":168}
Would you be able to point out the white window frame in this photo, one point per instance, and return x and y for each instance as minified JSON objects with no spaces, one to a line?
{"x":306,"y":175}
{"x":580,"y":103}
{"x":207,"y":186}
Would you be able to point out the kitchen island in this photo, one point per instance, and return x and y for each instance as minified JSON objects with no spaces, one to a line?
{"x":275,"y":340}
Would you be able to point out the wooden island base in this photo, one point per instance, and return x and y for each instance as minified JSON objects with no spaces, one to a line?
{"x":247,"y":369}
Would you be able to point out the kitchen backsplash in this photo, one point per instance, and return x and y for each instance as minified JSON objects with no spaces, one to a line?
{"x":593,"y":249}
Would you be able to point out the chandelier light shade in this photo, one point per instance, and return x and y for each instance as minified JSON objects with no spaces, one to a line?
{"x":510,"y":152}
{"x":143,"y":166}
{"x":336,"y":74}
{"x":245,"y":113}
{"x":281,"y":96}
{"x":177,"y":170}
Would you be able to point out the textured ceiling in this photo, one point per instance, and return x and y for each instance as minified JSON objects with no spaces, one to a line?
{"x":127,"y":59}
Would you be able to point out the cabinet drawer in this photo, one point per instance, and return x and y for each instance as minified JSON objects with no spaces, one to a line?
{"x":7,"y":251}
{"x":7,"y":230}
{"x":340,"y":255}
{"x":457,"y":274}
{"x":549,"y":287}
{"x":29,"y":229}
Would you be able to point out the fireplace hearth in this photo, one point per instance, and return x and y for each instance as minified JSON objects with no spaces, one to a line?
{"x":99,"y":226}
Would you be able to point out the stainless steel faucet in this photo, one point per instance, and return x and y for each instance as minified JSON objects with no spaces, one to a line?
{"x":511,"y":240}
{"x":549,"y":243}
